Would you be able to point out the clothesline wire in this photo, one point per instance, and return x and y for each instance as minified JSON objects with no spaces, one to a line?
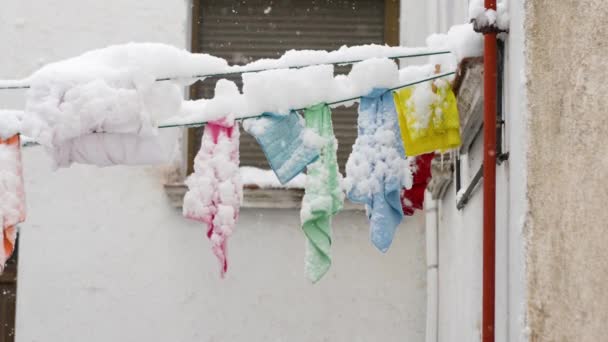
{"x":431,"y":78}
{"x":244,"y":71}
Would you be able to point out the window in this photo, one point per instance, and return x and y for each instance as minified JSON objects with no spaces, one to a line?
{"x":245,"y":31}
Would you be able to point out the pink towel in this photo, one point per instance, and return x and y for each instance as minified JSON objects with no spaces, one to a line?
{"x":215,"y":190}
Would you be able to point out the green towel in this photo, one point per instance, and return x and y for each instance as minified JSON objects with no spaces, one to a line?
{"x":323,"y":195}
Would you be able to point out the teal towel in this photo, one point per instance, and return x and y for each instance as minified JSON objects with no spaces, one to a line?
{"x":281,"y":137}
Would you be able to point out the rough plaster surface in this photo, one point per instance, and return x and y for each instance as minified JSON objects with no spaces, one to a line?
{"x":567,"y":261}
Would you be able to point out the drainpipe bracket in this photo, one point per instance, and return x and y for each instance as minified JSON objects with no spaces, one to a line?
{"x":482,"y":26}
{"x":501,"y":158}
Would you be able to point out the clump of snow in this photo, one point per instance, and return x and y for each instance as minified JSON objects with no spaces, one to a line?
{"x":312,"y":139}
{"x":278,"y":91}
{"x":367,"y":75}
{"x":12,"y":204}
{"x":142,"y":62}
{"x":412,"y":73}
{"x":10,"y":123}
{"x":227,"y":101}
{"x":297,"y":58}
{"x":483,"y":17}
{"x":290,"y":89}
{"x":421,"y":101}
{"x":267,"y":179}
{"x":257,"y":127}
{"x":462,"y":40}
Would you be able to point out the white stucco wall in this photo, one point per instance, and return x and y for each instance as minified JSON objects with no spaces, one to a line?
{"x":103,"y":256}
{"x":422,"y":18}
{"x":460,"y":232}
{"x":34,"y":33}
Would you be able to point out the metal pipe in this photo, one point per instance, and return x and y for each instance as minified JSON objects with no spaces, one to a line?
{"x":432,"y":267}
{"x":489,"y":186}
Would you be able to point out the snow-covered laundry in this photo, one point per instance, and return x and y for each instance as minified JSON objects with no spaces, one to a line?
{"x":377,"y":170}
{"x":215,"y":190}
{"x":323,"y":195}
{"x":287,"y":144}
{"x":112,"y":91}
{"x":428,"y":118}
{"x":101,"y":124}
{"x":12,"y":198}
{"x":107,"y":149}
{"x":413,"y":198}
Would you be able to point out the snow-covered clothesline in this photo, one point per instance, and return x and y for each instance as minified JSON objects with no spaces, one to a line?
{"x":113,"y":89}
{"x":237,"y":117}
{"x":343,"y":56}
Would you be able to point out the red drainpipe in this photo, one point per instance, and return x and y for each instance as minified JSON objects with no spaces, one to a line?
{"x":490,"y":80}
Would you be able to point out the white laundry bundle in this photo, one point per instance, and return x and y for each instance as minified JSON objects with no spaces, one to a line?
{"x":103,"y":107}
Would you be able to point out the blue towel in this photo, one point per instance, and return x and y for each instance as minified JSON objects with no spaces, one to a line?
{"x":376,"y":169}
{"x":281,"y":137}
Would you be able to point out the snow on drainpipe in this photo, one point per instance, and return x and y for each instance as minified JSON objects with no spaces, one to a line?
{"x":489,"y":181}
{"x":432,"y":265}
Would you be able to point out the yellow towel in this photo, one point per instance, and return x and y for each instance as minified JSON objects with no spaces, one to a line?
{"x":442,"y":129}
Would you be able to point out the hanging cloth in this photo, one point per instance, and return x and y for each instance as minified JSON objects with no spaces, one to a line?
{"x":282,"y":139}
{"x":12,"y":195}
{"x":376,"y":170}
{"x":215,"y":191}
{"x":428,"y":118}
{"x":108,"y":149}
{"x":323,"y":197}
{"x":413,"y":198}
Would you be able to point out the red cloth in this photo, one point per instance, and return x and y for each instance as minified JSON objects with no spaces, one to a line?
{"x":412,"y":199}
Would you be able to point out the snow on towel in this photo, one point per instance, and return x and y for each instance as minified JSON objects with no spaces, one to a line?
{"x":287,"y":144}
{"x":12,"y":198}
{"x":428,"y":118}
{"x":215,"y":191}
{"x":323,"y":196}
{"x":377,"y":170}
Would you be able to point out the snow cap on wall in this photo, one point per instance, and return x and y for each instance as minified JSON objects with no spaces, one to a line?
{"x":462,"y":40}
